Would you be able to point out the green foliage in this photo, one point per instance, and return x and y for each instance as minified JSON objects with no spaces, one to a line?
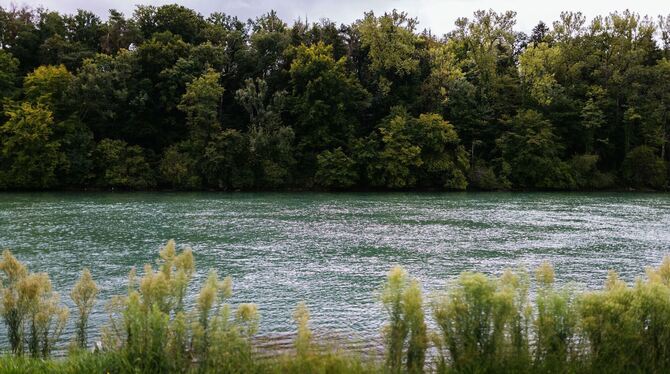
{"x":201,"y":104}
{"x":642,"y":168}
{"x":179,"y":166}
{"x":31,"y":310}
{"x":391,"y":41}
{"x":226,"y":159}
{"x":533,"y":111}
{"x":586,"y":173}
{"x":83,"y":295}
{"x":270,"y":142}
{"x":483,"y":324}
{"x":483,"y":177}
{"x":120,"y":165}
{"x":422,"y":151}
{"x":532,"y":150}
{"x":536,"y":66}
{"x":400,"y":155}
{"x":325,"y":101}
{"x":9,"y":69}
{"x":405,"y":334}
{"x":30,"y":155}
{"x":335,"y":169}
{"x":556,"y":340}
{"x":47,"y":85}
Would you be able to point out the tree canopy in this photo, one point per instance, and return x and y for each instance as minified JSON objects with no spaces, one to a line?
{"x":170,"y":98}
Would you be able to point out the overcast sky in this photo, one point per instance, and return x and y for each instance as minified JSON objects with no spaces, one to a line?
{"x":437,"y":15}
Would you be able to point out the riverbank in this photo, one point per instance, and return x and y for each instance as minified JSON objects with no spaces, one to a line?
{"x":481,"y":324}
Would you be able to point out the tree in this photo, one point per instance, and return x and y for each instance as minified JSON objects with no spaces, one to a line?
{"x":104,"y":93}
{"x":119,"y":33}
{"x":445,"y":162}
{"x":172,"y":18}
{"x":201,"y":105}
{"x":335,"y":170}
{"x":226,"y":161}
{"x":9,"y":68}
{"x":85,"y":28}
{"x":48,"y":85}
{"x":326,"y":103}
{"x":269,"y":42}
{"x":400,"y":156}
{"x":179,"y":166}
{"x":537,"y":66}
{"x":532,"y":151}
{"x":120,"y":165}
{"x":29,"y":155}
{"x":423,"y":151}
{"x":270,"y":142}
{"x":225,"y":103}
{"x":592,"y":117}
{"x":642,"y":168}
{"x":391,"y":42}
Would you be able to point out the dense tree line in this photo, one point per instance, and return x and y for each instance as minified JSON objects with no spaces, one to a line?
{"x":169,"y":98}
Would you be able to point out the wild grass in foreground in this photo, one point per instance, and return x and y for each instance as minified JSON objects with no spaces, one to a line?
{"x":484,"y":324}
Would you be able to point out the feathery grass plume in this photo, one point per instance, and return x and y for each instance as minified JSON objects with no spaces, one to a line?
{"x":478,"y":319}
{"x":177,"y":269}
{"x":178,"y":343}
{"x":403,"y":302}
{"x":149,"y":324}
{"x":395,"y":331}
{"x":83,"y":295}
{"x":555,"y":326}
{"x":609,"y":325}
{"x":515,"y":286}
{"x":303,"y":339}
{"x":213,"y":313}
{"x":627,"y":329}
{"x":230,"y":348}
{"x":30,"y":303}
{"x":247,"y":319}
{"x":46,"y":317}
{"x":50,"y":321}
{"x":416,"y":326}
{"x":13,"y":308}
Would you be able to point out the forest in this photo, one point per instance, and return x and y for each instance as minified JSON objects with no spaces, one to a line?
{"x":167,"y":98}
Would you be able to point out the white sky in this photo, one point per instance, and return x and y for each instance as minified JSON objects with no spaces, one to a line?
{"x":438,"y":15}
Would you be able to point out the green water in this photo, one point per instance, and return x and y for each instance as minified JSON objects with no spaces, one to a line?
{"x":333,"y":250}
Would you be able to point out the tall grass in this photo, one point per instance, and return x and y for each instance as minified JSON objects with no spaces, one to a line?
{"x":482,"y":324}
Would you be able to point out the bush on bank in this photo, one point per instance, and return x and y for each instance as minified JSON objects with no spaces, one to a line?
{"x":483,"y":324}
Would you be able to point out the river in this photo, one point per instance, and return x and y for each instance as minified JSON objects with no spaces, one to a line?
{"x":333,"y":250}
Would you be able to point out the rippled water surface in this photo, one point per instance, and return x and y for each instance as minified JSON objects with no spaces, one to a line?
{"x":333,"y":250}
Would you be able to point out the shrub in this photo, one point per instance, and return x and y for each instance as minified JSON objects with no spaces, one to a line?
{"x":83,"y":294}
{"x":121,"y":165}
{"x":483,"y":177}
{"x":31,"y":310}
{"x":643,"y":168}
{"x":587,"y":175}
{"x":405,"y":334}
{"x":179,"y":167}
{"x":335,"y":169}
{"x":484,"y":324}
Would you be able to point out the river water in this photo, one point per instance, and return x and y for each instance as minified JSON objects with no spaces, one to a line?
{"x":333,"y":250}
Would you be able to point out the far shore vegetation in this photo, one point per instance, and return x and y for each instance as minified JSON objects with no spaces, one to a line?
{"x":168,"y":98}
